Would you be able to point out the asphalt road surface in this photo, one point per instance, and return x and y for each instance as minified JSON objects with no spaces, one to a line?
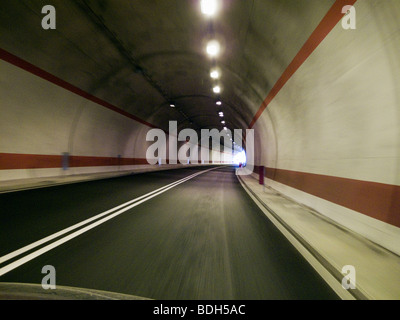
{"x":203,"y":238}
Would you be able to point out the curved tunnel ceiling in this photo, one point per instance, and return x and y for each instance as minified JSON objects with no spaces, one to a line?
{"x":143,"y":55}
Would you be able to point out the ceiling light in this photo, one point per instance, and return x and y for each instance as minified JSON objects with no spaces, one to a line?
{"x":217,"y":89}
{"x":214,"y":74}
{"x":209,"y":7}
{"x":221,"y":114}
{"x":172,"y":105}
{"x":223,"y":121}
{"x":218,"y":103}
{"x":213,"y":48}
{"x":225,"y":128}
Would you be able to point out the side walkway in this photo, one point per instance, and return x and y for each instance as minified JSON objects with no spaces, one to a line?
{"x":329,"y":246}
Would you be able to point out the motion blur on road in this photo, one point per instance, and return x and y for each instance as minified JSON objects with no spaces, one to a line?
{"x":200,"y":149}
{"x":203,"y":239}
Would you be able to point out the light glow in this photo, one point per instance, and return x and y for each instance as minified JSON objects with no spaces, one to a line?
{"x":209,"y":7}
{"x":213,"y":48}
{"x":240,"y":157}
{"x":214,"y":74}
{"x":217,"y":89}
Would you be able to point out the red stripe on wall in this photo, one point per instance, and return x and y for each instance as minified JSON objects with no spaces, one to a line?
{"x":85,"y":161}
{"x":10,"y":161}
{"x":326,"y":25}
{"x":16,"y":61}
{"x":376,"y":200}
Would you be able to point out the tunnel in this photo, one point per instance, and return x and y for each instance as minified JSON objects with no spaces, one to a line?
{"x":200,"y":149}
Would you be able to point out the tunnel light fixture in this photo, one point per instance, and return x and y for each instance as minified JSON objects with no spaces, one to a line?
{"x":221,"y":114}
{"x":225,"y":128}
{"x":223,"y":121}
{"x":213,"y":48}
{"x":214,"y":74}
{"x":209,"y":7}
{"x":172,"y":105}
{"x":218,"y":103}
{"x":217,"y":89}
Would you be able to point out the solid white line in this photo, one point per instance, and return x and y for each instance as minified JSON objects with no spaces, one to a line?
{"x":313,"y":261}
{"x":128,"y":205}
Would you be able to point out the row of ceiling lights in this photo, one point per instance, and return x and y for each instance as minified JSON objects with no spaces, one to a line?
{"x":213,"y":49}
{"x":210,"y":8}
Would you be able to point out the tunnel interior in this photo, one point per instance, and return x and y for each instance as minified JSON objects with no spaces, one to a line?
{"x":316,"y":82}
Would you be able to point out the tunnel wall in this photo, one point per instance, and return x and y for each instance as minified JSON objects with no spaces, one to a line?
{"x":43,"y":119}
{"x":330,"y":138}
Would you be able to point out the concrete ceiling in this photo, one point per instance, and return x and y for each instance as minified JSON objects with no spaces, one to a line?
{"x":141,"y":55}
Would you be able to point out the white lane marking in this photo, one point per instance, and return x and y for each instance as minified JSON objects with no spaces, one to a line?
{"x":128,"y":205}
{"x":311,"y":259}
{"x":60,"y":233}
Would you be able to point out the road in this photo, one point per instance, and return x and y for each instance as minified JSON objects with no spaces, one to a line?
{"x":203,"y":238}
